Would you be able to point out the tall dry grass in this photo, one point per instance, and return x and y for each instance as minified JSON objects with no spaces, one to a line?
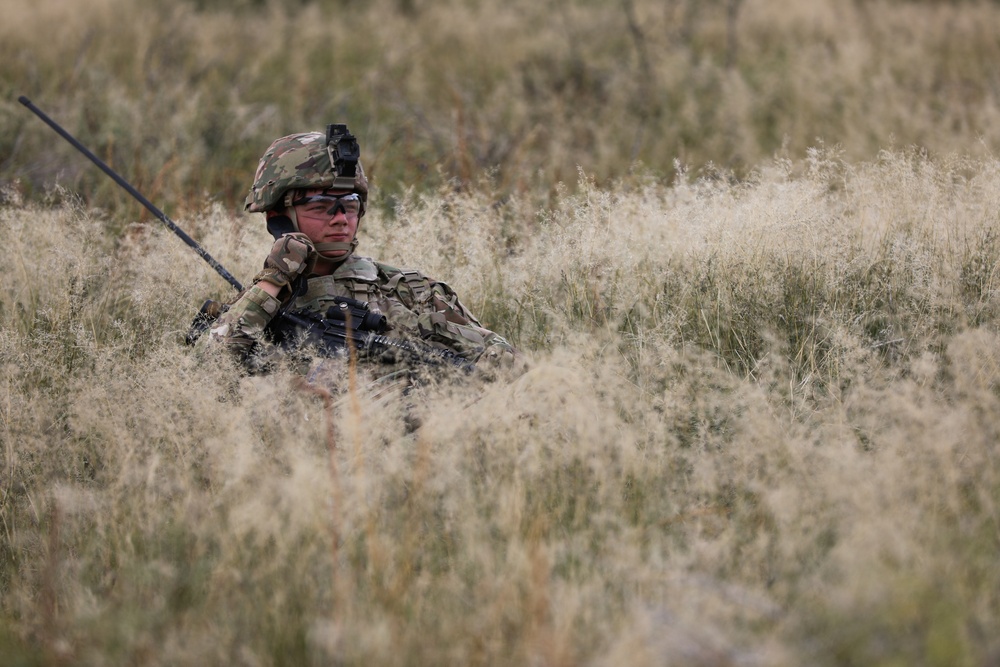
{"x":760,"y":427}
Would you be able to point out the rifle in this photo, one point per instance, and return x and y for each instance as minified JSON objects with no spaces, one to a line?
{"x":348,"y":325}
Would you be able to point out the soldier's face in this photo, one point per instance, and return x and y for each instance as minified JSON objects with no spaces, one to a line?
{"x":328,"y":216}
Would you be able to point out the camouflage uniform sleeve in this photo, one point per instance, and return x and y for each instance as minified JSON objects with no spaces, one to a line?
{"x":449,"y":318}
{"x":240,"y":328}
{"x":443,"y":319}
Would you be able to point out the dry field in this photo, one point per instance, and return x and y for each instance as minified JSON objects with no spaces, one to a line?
{"x":750,"y":253}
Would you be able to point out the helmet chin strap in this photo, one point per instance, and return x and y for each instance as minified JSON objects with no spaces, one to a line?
{"x":340,"y":247}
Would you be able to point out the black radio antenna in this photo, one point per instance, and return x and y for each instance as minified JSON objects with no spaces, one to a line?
{"x":160,"y":215}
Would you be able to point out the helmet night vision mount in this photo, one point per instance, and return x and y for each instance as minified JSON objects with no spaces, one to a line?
{"x":344,"y":151}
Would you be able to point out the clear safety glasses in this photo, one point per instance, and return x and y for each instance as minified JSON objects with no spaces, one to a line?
{"x":326,"y":205}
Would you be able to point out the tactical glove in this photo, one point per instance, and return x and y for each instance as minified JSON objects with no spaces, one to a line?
{"x":291,"y":256}
{"x":500,"y":360}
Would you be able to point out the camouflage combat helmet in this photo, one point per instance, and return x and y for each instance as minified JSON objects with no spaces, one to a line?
{"x":299,"y":161}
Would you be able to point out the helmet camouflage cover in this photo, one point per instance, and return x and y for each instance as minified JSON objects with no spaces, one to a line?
{"x":298,"y":161}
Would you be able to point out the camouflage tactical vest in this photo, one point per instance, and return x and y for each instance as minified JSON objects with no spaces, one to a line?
{"x":412,"y":303}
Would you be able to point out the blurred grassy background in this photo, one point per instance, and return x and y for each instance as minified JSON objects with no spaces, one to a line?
{"x":183,"y":97}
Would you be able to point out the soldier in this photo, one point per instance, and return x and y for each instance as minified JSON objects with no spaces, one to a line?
{"x":314,"y":193}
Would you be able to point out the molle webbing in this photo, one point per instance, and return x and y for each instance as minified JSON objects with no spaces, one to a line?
{"x":416,"y":281}
{"x":361,"y":291}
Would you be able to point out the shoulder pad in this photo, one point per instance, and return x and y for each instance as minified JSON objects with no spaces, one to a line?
{"x":361,"y":268}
